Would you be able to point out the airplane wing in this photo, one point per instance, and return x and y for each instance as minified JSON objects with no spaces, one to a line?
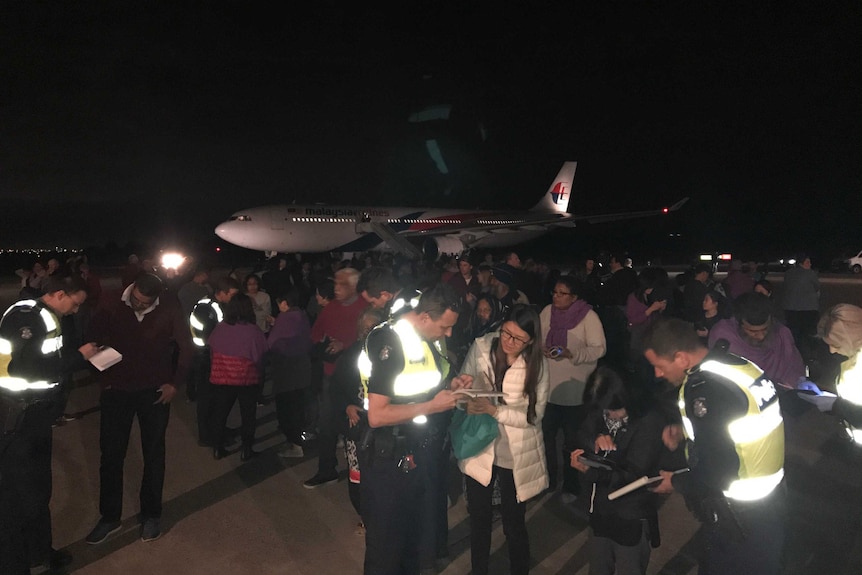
{"x":535,"y":221}
{"x":600,"y":218}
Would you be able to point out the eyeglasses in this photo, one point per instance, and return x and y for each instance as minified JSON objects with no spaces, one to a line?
{"x":513,"y":338}
{"x":561,"y":293}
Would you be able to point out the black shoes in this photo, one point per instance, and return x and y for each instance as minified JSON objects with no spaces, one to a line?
{"x":102,"y":530}
{"x":319,"y":480}
{"x":56,"y":561}
{"x":151,"y":529}
{"x":219,"y":452}
{"x":247,"y":453}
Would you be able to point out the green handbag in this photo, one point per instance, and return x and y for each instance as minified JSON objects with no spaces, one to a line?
{"x":471,"y":434}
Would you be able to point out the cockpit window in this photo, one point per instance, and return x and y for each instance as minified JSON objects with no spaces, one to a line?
{"x":241,"y":218}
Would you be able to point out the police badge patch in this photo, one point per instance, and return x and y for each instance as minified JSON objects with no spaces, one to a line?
{"x":698,"y":406}
{"x":26,"y":333}
{"x":384,"y":352}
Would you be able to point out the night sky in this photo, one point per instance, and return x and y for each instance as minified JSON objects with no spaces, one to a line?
{"x":130,"y":121}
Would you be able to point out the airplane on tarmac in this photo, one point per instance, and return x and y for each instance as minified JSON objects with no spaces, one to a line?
{"x":413,"y":231}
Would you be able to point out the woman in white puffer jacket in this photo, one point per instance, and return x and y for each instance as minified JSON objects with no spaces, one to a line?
{"x":510,"y":361}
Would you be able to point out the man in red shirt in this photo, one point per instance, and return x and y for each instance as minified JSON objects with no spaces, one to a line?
{"x":334,"y":330}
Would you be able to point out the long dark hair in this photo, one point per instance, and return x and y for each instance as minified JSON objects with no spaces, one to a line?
{"x":607,"y":389}
{"x":527,"y":319}
{"x":239,"y":310}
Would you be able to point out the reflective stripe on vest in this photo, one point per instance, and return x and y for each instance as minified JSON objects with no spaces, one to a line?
{"x":758,"y":436}
{"x":52,"y":344}
{"x":419,"y":375}
{"x":850,"y":388}
{"x":197,"y":326}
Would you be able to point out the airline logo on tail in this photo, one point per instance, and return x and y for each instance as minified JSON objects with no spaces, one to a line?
{"x":558,"y":193}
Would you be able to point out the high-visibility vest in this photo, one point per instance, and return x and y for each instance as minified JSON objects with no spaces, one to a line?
{"x":205,"y":316}
{"x":50,"y":347}
{"x":758,"y":436}
{"x":850,"y":388}
{"x":420,"y":376}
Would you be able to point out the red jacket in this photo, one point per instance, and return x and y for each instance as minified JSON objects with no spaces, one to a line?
{"x":233,"y":370}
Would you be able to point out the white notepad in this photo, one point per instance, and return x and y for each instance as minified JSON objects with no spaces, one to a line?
{"x":106,"y":357}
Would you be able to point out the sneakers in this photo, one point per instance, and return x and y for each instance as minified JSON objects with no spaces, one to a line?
{"x":309,"y":436}
{"x":150,"y":529}
{"x":291,"y":451}
{"x":102,"y":530}
{"x":319,"y":480}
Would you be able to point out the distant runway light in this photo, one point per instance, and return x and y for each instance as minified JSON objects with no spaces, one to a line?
{"x":172,"y":261}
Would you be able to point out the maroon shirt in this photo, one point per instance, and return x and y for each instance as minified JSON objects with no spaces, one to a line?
{"x":147,"y":346}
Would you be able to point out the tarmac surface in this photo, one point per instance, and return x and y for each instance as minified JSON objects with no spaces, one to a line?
{"x":256,"y":517}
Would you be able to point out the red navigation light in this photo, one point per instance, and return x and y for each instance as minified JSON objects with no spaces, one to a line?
{"x":664,"y":210}
{"x":218,"y":249}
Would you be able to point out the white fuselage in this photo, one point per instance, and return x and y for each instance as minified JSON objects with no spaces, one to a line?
{"x":316,"y":228}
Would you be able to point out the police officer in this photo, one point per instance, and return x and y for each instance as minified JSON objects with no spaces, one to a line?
{"x":37,"y":359}
{"x":207,"y":314}
{"x":734,"y":439}
{"x":404,"y":370}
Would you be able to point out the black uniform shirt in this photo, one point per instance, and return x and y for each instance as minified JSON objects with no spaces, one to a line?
{"x":711,"y":403}
{"x":23,"y":327}
{"x":387,"y":360}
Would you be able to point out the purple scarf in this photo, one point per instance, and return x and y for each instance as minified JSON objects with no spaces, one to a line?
{"x":562,"y":320}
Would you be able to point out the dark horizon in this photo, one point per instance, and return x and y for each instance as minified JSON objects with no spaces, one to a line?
{"x":136,"y":121}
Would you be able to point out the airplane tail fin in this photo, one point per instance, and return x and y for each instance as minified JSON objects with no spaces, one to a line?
{"x":556,"y":200}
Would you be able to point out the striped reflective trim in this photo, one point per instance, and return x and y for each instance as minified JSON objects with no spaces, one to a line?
{"x":750,"y":428}
{"x":5,"y":346}
{"x":199,"y":342}
{"x":414,"y":350}
{"x":850,"y":384}
{"x":19,"y":384}
{"x":420,"y":419}
{"x":737,"y":374}
{"x":407,"y":384}
{"x":195,"y":323}
{"x":855,"y":434}
{"x":48,"y":318}
{"x":689,"y":428}
{"x":686,"y":422}
{"x":52,"y":345}
{"x":363,"y":362}
{"x":219,"y":314}
{"x":754,"y":488}
{"x":22,"y":303}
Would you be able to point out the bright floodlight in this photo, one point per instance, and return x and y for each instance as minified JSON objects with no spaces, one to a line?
{"x":172,"y":261}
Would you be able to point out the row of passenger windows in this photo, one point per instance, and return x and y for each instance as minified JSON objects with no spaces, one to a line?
{"x":397,"y":221}
{"x":389,"y":221}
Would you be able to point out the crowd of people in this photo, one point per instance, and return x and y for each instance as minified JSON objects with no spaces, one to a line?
{"x":544,"y":381}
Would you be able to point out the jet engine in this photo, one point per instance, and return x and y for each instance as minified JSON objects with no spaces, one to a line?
{"x":433,"y":247}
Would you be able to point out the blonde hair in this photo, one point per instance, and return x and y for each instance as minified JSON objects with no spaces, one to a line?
{"x":841,"y":328}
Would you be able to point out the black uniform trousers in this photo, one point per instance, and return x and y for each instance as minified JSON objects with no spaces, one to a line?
{"x":757,"y":548}
{"x":392,"y":510}
{"x":203,"y":394}
{"x":25,"y":491}
{"x":119,"y":409}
